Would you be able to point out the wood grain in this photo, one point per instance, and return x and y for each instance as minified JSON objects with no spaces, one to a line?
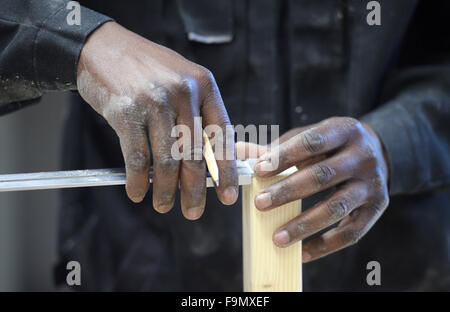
{"x":266,"y":266}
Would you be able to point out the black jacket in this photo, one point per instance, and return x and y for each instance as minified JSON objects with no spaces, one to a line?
{"x":289,"y":62}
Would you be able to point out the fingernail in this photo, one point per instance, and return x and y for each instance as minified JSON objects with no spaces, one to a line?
{"x":306,"y":256}
{"x":136,"y":194}
{"x":263,"y":201}
{"x":262,"y":167}
{"x":281,"y":238}
{"x":163,"y":208}
{"x":230,"y":195}
{"x":194,"y":213}
{"x":136,"y":197}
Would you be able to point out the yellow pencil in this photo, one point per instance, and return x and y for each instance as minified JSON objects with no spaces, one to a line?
{"x":210,"y":159}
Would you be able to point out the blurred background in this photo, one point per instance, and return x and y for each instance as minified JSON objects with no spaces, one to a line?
{"x":30,"y":141}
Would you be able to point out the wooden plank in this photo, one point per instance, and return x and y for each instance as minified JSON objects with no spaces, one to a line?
{"x":266,"y":266}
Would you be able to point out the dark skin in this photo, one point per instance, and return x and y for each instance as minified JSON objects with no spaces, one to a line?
{"x":143,"y":90}
{"x":338,"y":152}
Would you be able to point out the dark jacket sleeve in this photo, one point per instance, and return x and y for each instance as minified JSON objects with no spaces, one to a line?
{"x":39,"y":50}
{"x":414,"y":121}
{"x":414,"y":126}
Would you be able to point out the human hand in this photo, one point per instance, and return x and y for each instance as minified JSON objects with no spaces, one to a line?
{"x":338,"y":152}
{"x":143,"y":90}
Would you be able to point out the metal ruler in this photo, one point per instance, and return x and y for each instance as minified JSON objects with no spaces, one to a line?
{"x":92,"y":178}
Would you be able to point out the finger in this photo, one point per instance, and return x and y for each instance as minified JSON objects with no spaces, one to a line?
{"x":193,"y":167}
{"x":293,"y":132}
{"x":165,"y":166}
{"x":215,"y":116}
{"x":328,"y":212}
{"x":326,"y":136}
{"x":135,"y":150}
{"x":245,"y":150}
{"x":308,"y":181}
{"x":310,"y":161}
{"x":356,"y":225}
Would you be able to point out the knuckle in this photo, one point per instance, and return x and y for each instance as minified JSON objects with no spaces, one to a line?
{"x":124,"y":114}
{"x":369,"y":156}
{"x":322,"y":174}
{"x":194,"y":159}
{"x":138,"y":161}
{"x":338,"y":209}
{"x":350,"y":122}
{"x":157,"y":94}
{"x":207,"y":84}
{"x":204,"y":75}
{"x":351,"y":237}
{"x":313,"y":142}
{"x":379,"y":182}
{"x":196,"y":153}
{"x":283,"y":192}
{"x":194,"y":164}
{"x":182,"y":86}
{"x":166,"y":163}
{"x":385,"y":200}
{"x":381,"y":203}
{"x":301,"y":228}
